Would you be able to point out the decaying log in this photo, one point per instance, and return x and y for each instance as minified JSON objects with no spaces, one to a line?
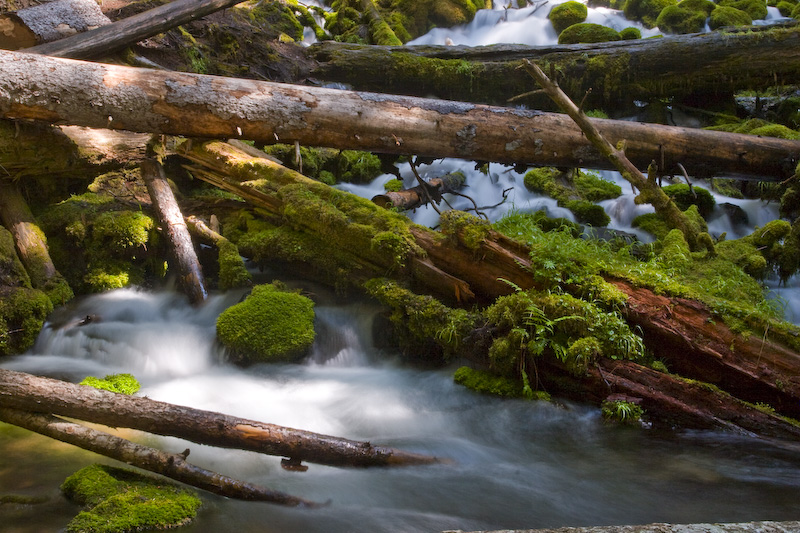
{"x":43,"y":395}
{"x":420,"y":195}
{"x":108,"y":39}
{"x":30,"y":243}
{"x":49,"y":21}
{"x":684,"y":333}
{"x":181,"y":249}
{"x":173,"y":466}
{"x":97,"y":95}
{"x":617,"y":73}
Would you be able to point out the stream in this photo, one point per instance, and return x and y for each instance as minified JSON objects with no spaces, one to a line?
{"x":511,"y":463}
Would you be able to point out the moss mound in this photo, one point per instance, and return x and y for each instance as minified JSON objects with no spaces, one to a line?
{"x":646,"y":11}
{"x":119,"y":383}
{"x":679,"y":20}
{"x":757,"y":9}
{"x":586,"y":32}
{"x":488,"y":383}
{"x":575,"y":192}
{"x":630,"y":33}
{"x":23,"y":312}
{"x":270,"y":325}
{"x":683,"y":196}
{"x":564,"y":15}
{"x":728,"y":16}
{"x":120,"y":500}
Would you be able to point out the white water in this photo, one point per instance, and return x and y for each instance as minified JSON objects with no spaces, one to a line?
{"x":513,"y":464}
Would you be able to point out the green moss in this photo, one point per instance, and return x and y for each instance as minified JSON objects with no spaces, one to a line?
{"x":576,"y":193}
{"x":393,"y":185}
{"x":232,"y":272}
{"x":776,"y":130}
{"x":630,"y":33}
{"x":276,"y":18}
{"x":12,"y":272}
{"x":706,"y":6}
{"x":653,"y":224}
{"x":23,"y":311}
{"x":564,"y":15}
{"x":586,"y":32}
{"x":468,"y":229}
{"x":757,"y":9}
{"x":677,"y":19}
{"x":123,"y":231}
{"x":119,"y":500}
{"x":594,"y":188}
{"x":588,"y":213}
{"x":119,"y":383}
{"x":728,"y":16}
{"x":684,"y":197}
{"x":421,"y":318}
{"x":621,"y":411}
{"x":358,"y":167}
{"x":270,"y":325}
{"x":646,"y":11}
{"x":488,"y":383}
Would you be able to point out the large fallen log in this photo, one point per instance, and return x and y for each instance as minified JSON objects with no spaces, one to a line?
{"x":684,"y":333}
{"x":43,"y":395}
{"x":618,"y":72}
{"x":171,"y":465}
{"x":111,"y":38}
{"x":95,"y":95}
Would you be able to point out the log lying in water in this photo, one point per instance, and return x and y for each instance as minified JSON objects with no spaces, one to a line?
{"x":422,"y":194}
{"x":95,"y":95}
{"x":43,"y":395}
{"x":173,"y":466}
{"x":616,"y":72}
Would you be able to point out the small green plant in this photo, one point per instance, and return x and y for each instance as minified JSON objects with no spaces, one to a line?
{"x":621,"y":411}
{"x":120,"y":383}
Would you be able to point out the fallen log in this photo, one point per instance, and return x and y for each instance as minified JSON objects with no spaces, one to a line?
{"x":111,"y":38}
{"x":419,"y":195}
{"x":95,"y":95}
{"x":173,"y":466}
{"x":684,"y":333}
{"x":43,"y":395}
{"x":618,"y":72}
{"x":49,"y":22}
{"x":181,"y":249}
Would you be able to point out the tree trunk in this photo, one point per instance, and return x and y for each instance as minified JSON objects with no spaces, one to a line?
{"x":171,"y":465}
{"x":31,"y":244}
{"x":422,"y":194}
{"x":616,"y":72}
{"x":184,"y":258}
{"x":685,"y":333}
{"x":43,"y":395}
{"x":95,"y":95}
{"x":49,"y":22}
{"x":114,"y":37}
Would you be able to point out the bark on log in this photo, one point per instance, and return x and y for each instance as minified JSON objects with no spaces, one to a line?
{"x":43,"y":395}
{"x":684,"y":333}
{"x":421,"y":194}
{"x":616,"y":72}
{"x":30,"y":243}
{"x":49,"y":22}
{"x":114,"y":37}
{"x":173,"y":466}
{"x":184,"y":257}
{"x":95,"y":95}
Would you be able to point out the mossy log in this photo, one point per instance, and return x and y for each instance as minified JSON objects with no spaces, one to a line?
{"x":184,"y":257}
{"x":713,"y":64}
{"x":171,"y":465}
{"x":422,"y":194}
{"x":43,"y":395}
{"x":475,"y":263}
{"x":111,"y":38}
{"x":99,"y":95}
{"x":31,"y":244}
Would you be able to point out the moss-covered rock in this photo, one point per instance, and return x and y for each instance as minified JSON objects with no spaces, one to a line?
{"x":232,"y":271}
{"x":586,"y":32}
{"x":630,"y":33}
{"x":23,"y":312}
{"x":119,"y":500}
{"x":679,"y":20}
{"x":646,"y":11}
{"x":564,"y":15}
{"x":270,"y":325}
{"x":119,"y":383}
{"x":684,"y":196}
{"x":575,"y":192}
{"x":757,"y":9}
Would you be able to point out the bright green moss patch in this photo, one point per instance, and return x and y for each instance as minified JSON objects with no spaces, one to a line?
{"x":232,"y":272}
{"x":23,"y":311}
{"x":564,"y":15}
{"x":630,"y":33}
{"x":468,"y":229}
{"x":119,"y":500}
{"x":270,"y":325}
{"x":577,"y":192}
{"x":586,"y":32}
{"x":123,"y":231}
{"x":646,"y":11}
{"x":685,"y":196}
{"x":757,"y":9}
{"x":677,"y":19}
{"x":621,"y":411}
{"x":120,"y":383}
{"x":728,"y":16}
{"x":393,"y":185}
{"x":488,"y":383}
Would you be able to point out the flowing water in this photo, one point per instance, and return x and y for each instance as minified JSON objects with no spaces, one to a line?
{"x":511,"y":464}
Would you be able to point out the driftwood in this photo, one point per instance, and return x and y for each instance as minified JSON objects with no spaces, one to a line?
{"x":173,"y":466}
{"x":419,"y":195}
{"x":184,"y":257}
{"x":108,"y":39}
{"x":684,"y":333}
{"x":674,"y":66}
{"x":43,"y":395}
{"x":95,"y":95}
{"x":49,"y":22}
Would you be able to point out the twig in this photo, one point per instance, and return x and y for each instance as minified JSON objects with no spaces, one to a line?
{"x":686,"y":177}
{"x":424,"y":187}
